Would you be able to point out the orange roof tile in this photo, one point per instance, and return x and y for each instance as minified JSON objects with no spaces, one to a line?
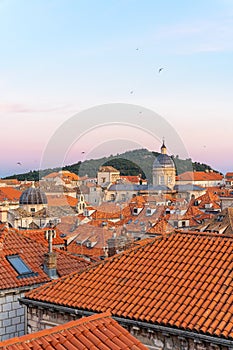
{"x":12,"y":242}
{"x":61,"y":200}
{"x":51,"y":175}
{"x":89,"y":240}
{"x":229,"y":175}
{"x":10,"y":194}
{"x":208,"y":198}
{"x":161,"y":227}
{"x":189,"y":268}
{"x":199,"y":176}
{"x":39,"y":236}
{"x":93,"y":332}
{"x":10,"y":181}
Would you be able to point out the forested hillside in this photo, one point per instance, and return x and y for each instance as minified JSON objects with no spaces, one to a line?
{"x":129,"y":163}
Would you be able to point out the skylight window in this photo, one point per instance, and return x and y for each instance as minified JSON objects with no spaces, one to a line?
{"x":19,"y":265}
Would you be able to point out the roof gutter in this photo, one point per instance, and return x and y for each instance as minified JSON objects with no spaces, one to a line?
{"x":141,"y":324}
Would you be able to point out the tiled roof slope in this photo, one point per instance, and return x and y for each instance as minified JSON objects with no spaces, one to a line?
{"x":10,"y":194}
{"x":39,"y":236}
{"x":93,"y":332}
{"x":180,"y":280}
{"x":12,"y":242}
{"x":200,"y":176}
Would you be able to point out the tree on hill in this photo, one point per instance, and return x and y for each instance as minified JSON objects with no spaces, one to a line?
{"x":139,"y":161}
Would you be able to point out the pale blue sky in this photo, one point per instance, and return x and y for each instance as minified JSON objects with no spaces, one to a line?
{"x":59,"y":57}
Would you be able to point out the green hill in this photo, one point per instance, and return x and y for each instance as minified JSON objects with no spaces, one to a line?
{"x":134,"y":162}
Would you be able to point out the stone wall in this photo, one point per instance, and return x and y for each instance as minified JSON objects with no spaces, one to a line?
{"x":39,"y":319}
{"x":164,"y":341}
{"x":12,"y":315}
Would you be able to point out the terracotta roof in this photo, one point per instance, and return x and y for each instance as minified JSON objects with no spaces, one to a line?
{"x":181,"y":280}
{"x":10,"y":181}
{"x":135,"y":179}
{"x":12,"y":242}
{"x":69,"y":175}
{"x":208,"y":198}
{"x":10,"y":194}
{"x":89,"y":240}
{"x":229,"y":175}
{"x":108,"y":169}
{"x":199,"y":176}
{"x":64,"y":174}
{"x":39,"y":236}
{"x":160,"y":228}
{"x":222,"y":223}
{"x":61,"y":200}
{"x":93,"y":332}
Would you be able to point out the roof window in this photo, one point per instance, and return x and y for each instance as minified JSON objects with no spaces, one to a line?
{"x":19,"y":265}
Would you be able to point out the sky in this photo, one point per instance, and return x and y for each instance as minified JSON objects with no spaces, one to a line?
{"x":62,"y":57}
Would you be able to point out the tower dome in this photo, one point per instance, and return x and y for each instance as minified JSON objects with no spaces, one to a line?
{"x":33,"y":196}
{"x":163,"y":160}
{"x":164,"y":170}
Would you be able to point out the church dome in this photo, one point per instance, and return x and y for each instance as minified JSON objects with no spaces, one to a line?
{"x":33,"y":195}
{"x":163,"y":161}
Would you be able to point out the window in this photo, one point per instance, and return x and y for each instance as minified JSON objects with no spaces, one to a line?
{"x":33,"y":210}
{"x":19,"y":265}
{"x":135,"y":210}
{"x":161,"y":180}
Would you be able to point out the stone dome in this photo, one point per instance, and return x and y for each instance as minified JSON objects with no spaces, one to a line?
{"x":33,"y":195}
{"x":163,"y":161}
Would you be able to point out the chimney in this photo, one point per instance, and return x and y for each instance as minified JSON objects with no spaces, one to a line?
{"x":50,"y":258}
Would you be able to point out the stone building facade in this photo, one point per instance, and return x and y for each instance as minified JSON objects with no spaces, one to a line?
{"x":12,"y":313}
{"x":152,"y":336}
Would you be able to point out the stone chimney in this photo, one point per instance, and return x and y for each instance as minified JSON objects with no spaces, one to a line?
{"x":50,"y":258}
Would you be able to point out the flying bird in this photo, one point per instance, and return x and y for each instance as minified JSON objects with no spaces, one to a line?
{"x":19,"y":163}
{"x":83,"y":152}
{"x":160,"y":69}
{"x":131,"y":91}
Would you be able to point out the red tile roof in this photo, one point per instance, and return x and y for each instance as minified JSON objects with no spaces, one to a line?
{"x":229,"y":175}
{"x":39,"y":236}
{"x":10,"y":194}
{"x":12,"y":242}
{"x":63,"y":174}
{"x":89,"y":240}
{"x":108,"y":169}
{"x":199,"y":176}
{"x":97,"y":332}
{"x":208,"y":198}
{"x":135,"y":179}
{"x":61,"y":200}
{"x":160,"y":228}
{"x":10,"y":181}
{"x":180,"y":280}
